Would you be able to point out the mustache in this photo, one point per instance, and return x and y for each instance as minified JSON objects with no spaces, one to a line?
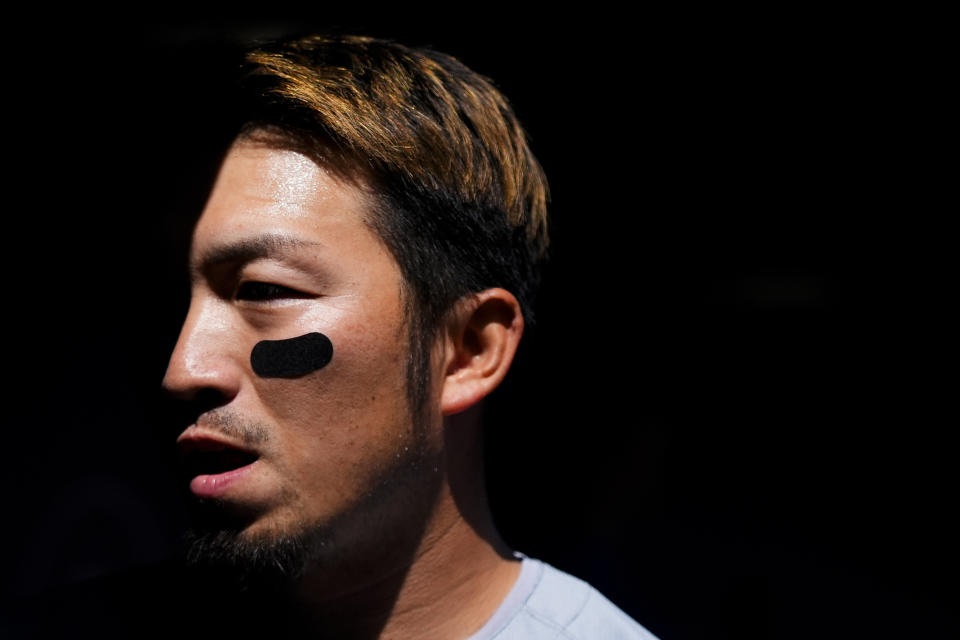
{"x":232,"y":424}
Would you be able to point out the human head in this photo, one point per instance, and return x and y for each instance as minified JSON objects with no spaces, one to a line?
{"x":421,"y":154}
{"x":459,"y":199}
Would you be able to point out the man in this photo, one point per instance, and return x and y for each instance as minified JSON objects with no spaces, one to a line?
{"x":361,"y":277}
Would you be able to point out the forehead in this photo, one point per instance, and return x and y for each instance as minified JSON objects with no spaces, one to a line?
{"x":266,"y":190}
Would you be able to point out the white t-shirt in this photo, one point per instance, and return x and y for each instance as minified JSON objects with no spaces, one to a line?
{"x":546,"y":603}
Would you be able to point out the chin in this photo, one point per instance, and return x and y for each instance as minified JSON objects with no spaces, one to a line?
{"x":255,"y":554}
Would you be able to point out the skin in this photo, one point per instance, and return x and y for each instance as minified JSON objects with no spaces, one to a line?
{"x":412,"y":549}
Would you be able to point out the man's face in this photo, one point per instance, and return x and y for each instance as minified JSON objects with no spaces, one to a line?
{"x":282,"y":250}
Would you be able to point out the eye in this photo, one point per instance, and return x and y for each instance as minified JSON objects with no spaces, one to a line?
{"x":262,"y":291}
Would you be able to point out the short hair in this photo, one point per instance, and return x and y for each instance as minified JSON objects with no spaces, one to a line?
{"x":460,"y":200}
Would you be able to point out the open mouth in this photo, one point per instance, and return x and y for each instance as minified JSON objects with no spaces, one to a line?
{"x":212,"y":466}
{"x":197,"y":463}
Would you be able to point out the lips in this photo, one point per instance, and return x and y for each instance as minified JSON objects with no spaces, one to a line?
{"x":213,"y":464}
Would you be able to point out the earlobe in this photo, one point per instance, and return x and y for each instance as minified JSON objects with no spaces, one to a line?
{"x":484,"y":332}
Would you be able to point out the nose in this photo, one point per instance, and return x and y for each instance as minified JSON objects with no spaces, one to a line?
{"x":206,"y":361}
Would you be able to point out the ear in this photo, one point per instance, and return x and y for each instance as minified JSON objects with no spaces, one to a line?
{"x":483,"y":333}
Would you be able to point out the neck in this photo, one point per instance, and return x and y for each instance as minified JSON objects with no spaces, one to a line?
{"x":454,"y":580}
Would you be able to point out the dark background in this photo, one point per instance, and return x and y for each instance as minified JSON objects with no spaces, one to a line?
{"x":733,"y":417}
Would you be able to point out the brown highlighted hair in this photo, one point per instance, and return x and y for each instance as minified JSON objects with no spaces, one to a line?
{"x":460,"y":198}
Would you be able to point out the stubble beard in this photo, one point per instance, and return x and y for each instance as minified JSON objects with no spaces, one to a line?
{"x":380,"y":529}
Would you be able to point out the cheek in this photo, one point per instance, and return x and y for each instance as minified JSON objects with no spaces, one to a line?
{"x":359,"y":398}
{"x":339,"y":428}
{"x":361,"y":388}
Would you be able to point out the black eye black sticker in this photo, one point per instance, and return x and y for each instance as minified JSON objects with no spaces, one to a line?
{"x":291,"y":358}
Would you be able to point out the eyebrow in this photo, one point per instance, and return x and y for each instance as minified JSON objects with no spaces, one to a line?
{"x":247,"y":250}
